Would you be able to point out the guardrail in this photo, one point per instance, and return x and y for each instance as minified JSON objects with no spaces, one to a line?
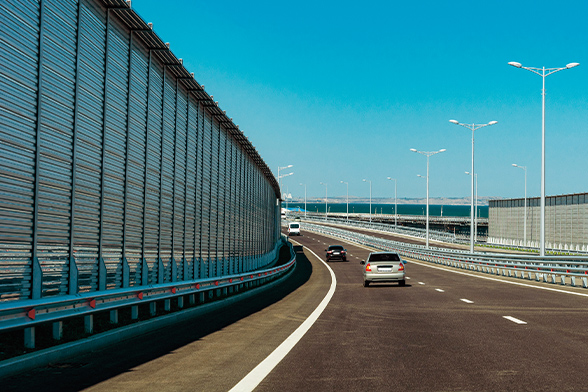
{"x":410,"y":231}
{"x":26,"y":314}
{"x":551,"y":269}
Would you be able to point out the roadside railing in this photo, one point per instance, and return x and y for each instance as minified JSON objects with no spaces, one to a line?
{"x":26,"y":314}
{"x":563,"y":270}
{"x":403,"y":230}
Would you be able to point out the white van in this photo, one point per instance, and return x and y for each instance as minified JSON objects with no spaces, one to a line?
{"x":294,"y":228}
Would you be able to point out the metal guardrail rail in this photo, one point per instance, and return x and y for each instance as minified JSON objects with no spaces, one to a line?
{"x":24,"y":314}
{"x":572,"y":270}
{"x":410,"y":231}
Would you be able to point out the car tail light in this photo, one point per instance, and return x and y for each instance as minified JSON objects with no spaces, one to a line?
{"x":330,"y":251}
{"x":401,"y":267}
{"x":368,"y":267}
{"x":343,"y":252}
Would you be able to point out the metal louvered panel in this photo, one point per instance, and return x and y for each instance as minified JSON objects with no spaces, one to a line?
{"x":153,"y":168}
{"x":180,"y":184}
{"x":214,"y":197}
{"x":191,"y":173}
{"x":19,"y":47}
{"x":56,"y":142}
{"x":112,"y":155}
{"x":115,"y":146}
{"x":167,"y":168}
{"x":137,"y":124}
{"x":89,"y":144}
{"x":205,"y":231}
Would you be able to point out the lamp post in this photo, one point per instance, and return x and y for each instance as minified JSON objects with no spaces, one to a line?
{"x":326,"y":198}
{"x":543,"y":72}
{"x":525,"y":212}
{"x":280,"y":176}
{"x":427,"y":154}
{"x":304,"y":198}
{"x":473,"y":127}
{"x":370,"y":198}
{"x":475,"y":207}
{"x":395,"y":203}
{"x":346,"y":183}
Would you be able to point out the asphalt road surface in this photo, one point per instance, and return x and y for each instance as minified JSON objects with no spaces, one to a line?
{"x":447,"y":330}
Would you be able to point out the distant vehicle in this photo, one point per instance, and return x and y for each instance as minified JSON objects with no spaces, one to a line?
{"x":294,"y":228}
{"x":336,"y":252}
{"x":383,"y":267}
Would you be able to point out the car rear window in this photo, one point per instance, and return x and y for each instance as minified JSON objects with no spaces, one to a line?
{"x":294,"y":226}
{"x":384,"y":257}
{"x":336,"y":247}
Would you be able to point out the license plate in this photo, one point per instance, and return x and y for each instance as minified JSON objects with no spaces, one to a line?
{"x":384,"y":269}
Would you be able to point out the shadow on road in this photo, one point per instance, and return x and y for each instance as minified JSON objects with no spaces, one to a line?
{"x":93,"y":368}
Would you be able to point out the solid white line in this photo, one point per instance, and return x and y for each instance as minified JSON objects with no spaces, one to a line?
{"x":467,"y":301}
{"x":440,"y":290}
{"x":515,"y":320}
{"x":251,"y":380}
{"x":448,"y":269}
{"x":498,"y":280}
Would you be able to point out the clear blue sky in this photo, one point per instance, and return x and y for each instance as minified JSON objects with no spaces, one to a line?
{"x":342,"y":90}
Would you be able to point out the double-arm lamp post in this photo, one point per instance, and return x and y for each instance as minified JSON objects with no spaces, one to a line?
{"x":427,"y":154}
{"x":473,"y":127}
{"x":543,"y":72}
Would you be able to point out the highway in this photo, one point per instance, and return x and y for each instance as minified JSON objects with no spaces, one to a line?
{"x":447,"y":330}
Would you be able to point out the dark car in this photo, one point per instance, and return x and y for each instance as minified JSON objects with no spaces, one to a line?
{"x":336,"y":252}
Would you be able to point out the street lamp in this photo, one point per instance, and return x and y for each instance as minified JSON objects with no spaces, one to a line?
{"x":543,"y":72}
{"x":304,"y":198}
{"x":343,"y":182}
{"x":395,"y":203}
{"x":427,"y":154}
{"x":282,"y":176}
{"x":370,"y":198}
{"x":473,"y":127}
{"x":525,"y":212}
{"x":476,"y":208}
{"x":326,"y":198}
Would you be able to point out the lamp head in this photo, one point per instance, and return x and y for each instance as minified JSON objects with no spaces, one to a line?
{"x":515,"y":64}
{"x":572,"y":65}
{"x":515,"y":165}
{"x":468,"y":173}
{"x":413,"y":150}
{"x":453,"y":121}
{"x":389,"y":178}
{"x":493,"y":122}
{"x":442,"y":150}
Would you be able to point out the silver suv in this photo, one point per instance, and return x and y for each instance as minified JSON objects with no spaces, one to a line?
{"x":383,"y":267}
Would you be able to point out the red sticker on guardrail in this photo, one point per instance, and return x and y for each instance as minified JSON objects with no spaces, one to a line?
{"x":32,"y":313}
{"x":140,"y":295}
{"x":92,"y":304}
{"x":174,"y":290}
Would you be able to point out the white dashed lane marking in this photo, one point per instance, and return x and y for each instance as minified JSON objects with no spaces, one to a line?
{"x":515,"y":320}
{"x":440,"y":290}
{"x":422,"y":283}
{"x":467,"y":301}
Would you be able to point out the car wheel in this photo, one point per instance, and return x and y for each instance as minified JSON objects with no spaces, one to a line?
{"x":366,"y":283}
{"x":402,"y":283}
